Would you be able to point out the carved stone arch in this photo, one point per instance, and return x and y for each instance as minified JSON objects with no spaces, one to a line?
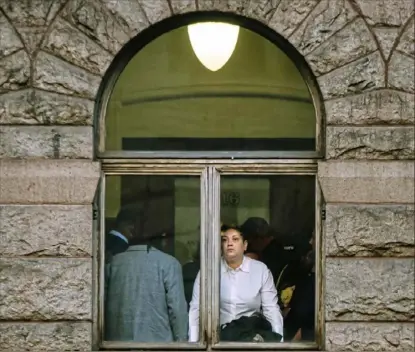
{"x":330,"y":34}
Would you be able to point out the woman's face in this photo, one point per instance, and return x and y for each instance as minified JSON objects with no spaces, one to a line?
{"x":233,"y":245}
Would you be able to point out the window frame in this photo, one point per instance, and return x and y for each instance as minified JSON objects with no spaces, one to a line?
{"x":209,"y":165}
{"x":296,"y":168}
{"x":210,"y":172}
{"x":153,"y":32}
{"x":148,"y":169}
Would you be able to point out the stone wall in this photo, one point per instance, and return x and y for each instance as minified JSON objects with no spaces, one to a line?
{"x":53,"y":54}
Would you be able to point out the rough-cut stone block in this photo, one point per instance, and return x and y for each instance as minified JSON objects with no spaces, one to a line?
{"x":58,"y":109}
{"x":183,"y":6}
{"x":56,"y":75}
{"x":262,"y":10}
{"x":9,"y":41}
{"x":407,"y":42}
{"x":377,"y":182}
{"x":359,"y":76}
{"x":31,"y":18}
{"x":387,"y":143}
{"x":129,"y":14}
{"x":369,"y":289}
{"x":14,"y":71}
{"x":45,"y":289}
{"x":48,"y":181}
{"x":45,"y":337}
{"x":289,"y":15}
{"x":370,"y":230}
{"x":236,"y":6}
{"x":46,"y":142}
{"x":328,"y":17}
{"x":17,"y":108}
{"x":70,"y":44}
{"x":386,"y":37}
{"x":349,"y":44}
{"x":46,"y":230}
{"x":384,"y":107}
{"x":155,"y":10}
{"x":355,"y":337}
{"x":91,"y":18}
{"x":402,"y":72}
{"x":32,"y":106}
{"x":392,"y":13}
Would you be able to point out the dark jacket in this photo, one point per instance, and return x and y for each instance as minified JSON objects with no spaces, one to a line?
{"x":302,"y":313}
{"x":285,"y":251}
{"x":255,"y":328}
{"x":190,"y":271}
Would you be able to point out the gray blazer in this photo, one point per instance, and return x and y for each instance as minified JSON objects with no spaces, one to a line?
{"x":144,"y":297}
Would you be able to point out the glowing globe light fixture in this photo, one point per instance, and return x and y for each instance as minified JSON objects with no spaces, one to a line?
{"x":213,"y":42}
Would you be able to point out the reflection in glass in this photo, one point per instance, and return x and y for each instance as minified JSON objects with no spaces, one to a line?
{"x":267,"y":271}
{"x":152,"y":246}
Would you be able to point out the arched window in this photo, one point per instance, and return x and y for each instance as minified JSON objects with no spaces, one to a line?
{"x":191,"y":148}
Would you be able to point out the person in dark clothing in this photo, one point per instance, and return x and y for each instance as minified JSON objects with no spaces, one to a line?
{"x":258,"y":232}
{"x":299,"y":321}
{"x":275,"y":250}
{"x":251,"y":253}
{"x":118,"y":239}
{"x":190,"y":271}
{"x":263,"y":242}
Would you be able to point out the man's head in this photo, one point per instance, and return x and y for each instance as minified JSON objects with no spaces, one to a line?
{"x":125,"y":222}
{"x":258,"y":233}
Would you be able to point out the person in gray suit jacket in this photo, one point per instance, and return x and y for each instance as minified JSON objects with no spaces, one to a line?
{"x":145,"y":300}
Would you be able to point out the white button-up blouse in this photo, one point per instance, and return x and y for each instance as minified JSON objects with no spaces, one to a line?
{"x":243,"y":291}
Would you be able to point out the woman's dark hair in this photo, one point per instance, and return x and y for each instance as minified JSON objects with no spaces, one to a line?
{"x":233,"y":227}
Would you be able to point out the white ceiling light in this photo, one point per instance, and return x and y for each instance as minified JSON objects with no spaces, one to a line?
{"x":213,"y":42}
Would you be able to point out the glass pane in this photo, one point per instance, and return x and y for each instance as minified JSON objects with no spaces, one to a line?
{"x":165,"y":99}
{"x":151,"y":256}
{"x":267,"y":280}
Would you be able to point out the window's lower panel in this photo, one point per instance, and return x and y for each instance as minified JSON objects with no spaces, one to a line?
{"x":266,"y":253}
{"x":152,"y":255}
{"x":161,"y":230}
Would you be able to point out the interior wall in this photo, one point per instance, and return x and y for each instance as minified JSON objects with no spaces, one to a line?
{"x":244,"y":197}
{"x":186,"y":217}
{"x":166,"y":92}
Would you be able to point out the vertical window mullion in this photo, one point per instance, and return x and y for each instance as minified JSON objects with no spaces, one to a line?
{"x":215,"y":243}
{"x":204,"y":257}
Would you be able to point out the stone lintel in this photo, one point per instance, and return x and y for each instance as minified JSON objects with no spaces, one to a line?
{"x":350,"y":181}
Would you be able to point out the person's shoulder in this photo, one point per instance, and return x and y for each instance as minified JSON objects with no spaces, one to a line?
{"x":256,"y":265}
{"x":166,"y":258}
